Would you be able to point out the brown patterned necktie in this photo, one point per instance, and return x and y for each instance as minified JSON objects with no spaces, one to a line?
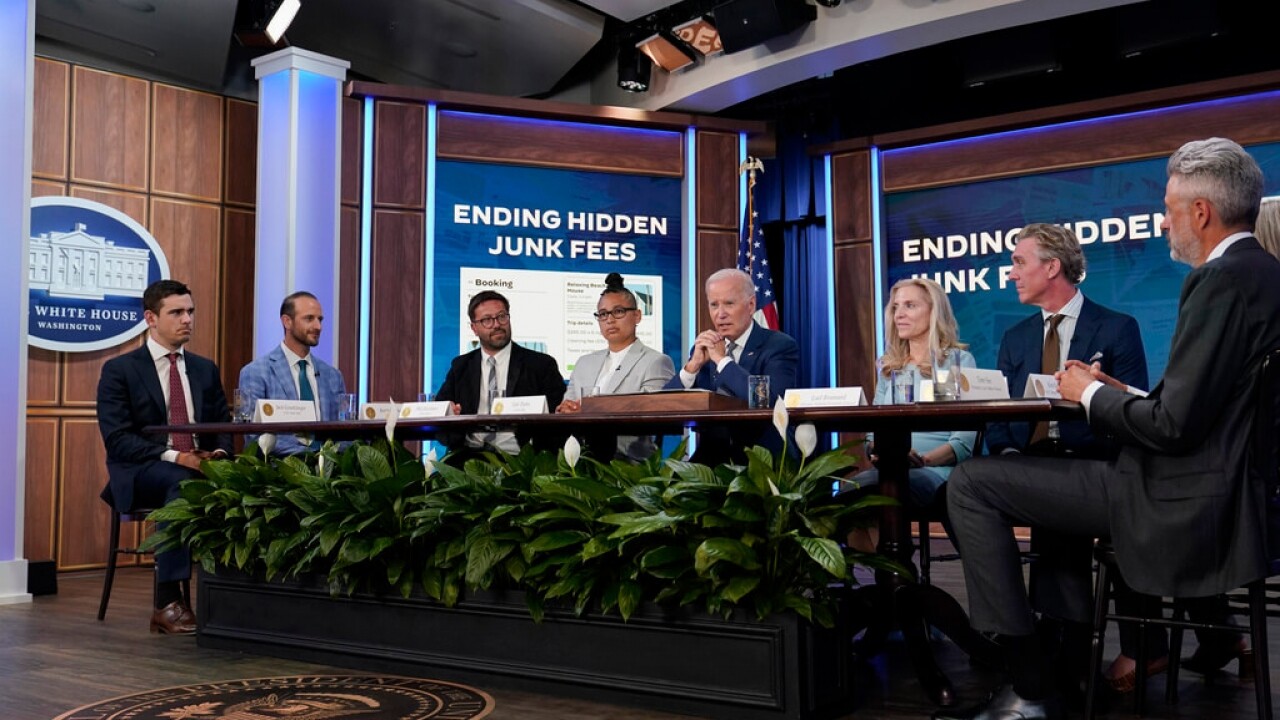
{"x":1050,"y":363}
{"x":182,"y":442}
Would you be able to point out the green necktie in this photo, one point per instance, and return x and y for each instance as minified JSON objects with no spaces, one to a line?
{"x":304,"y":383}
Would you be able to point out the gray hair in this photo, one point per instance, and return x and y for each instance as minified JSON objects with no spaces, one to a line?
{"x":1221,"y":172}
{"x":744,"y":281}
{"x":1058,"y":243}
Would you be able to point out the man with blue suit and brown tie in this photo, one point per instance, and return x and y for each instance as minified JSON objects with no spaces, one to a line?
{"x":723,"y":357}
{"x":161,"y":383}
{"x":292,"y":372}
{"x":1048,"y":266}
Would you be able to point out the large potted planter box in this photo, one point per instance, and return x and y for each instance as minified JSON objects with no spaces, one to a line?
{"x":780,"y":667}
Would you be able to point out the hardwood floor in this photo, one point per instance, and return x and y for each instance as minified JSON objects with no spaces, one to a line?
{"x":55,"y":655}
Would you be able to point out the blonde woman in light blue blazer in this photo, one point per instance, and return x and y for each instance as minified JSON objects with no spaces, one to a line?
{"x":625,"y":366}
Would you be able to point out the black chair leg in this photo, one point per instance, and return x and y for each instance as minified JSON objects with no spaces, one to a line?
{"x":111,"y":565}
{"x":923,"y":528}
{"x":1175,"y":654}
{"x":1140,"y":662}
{"x":1258,"y":633}
{"x":1101,"y":598}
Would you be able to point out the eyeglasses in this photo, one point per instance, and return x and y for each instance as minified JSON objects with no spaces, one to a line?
{"x":488,"y":322}
{"x":616,"y":313}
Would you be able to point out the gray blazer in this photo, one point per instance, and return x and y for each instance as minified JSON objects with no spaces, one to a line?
{"x":643,"y":369}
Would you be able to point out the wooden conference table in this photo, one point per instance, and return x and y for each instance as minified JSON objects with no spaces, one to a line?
{"x":892,"y":600}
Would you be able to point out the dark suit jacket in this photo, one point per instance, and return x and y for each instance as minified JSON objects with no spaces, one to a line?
{"x":529,"y":373}
{"x":1098,"y":329}
{"x":130,"y":398}
{"x":1187,"y":508}
{"x":767,"y":352}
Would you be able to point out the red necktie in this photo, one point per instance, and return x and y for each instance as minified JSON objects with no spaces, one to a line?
{"x":182,"y":442}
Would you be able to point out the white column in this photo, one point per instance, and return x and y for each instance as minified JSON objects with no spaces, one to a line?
{"x":299,"y":176}
{"x":17,"y":63}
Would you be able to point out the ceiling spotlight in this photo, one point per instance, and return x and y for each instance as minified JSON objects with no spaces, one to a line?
{"x":261,"y":23}
{"x":634,"y":68}
{"x":667,"y":51}
{"x":701,"y":35}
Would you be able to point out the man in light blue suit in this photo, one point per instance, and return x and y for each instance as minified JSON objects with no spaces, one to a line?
{"x":725,"y":355}
{"x":291,"y":372}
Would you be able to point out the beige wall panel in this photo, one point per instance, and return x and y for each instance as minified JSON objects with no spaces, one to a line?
{"x":132,"y":204}
{"x":45,"y":188}
{"x":400,"y":155}
{"x":84,"y":519}
{"x":717,"y":170}
{"x":352,"y":143}
{"x":395,"y":354}
{"x":42,"y":377}
{"x":716,"y":249}
{"x":349,"y":296}
{"x":50,"y":110}
{"x":80,"y":373}
{"x":241,"y":185}
{"x":855,"y":315}
{"x":41,"y":495}
{"x":191,"y":236}
{"x":109,"y":129}
{"x":186,"y":154}
{"x":238,"y":253}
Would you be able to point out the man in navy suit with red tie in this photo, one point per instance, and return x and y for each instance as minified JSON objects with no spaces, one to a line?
{"x":161,"y":383}
{"x":725,"y":355}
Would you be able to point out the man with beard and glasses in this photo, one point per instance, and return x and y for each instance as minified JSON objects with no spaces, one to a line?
{"x":497,"y":368}
{"x":291,"y":372}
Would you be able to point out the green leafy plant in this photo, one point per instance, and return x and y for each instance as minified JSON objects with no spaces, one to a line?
{"x":764,"y":536}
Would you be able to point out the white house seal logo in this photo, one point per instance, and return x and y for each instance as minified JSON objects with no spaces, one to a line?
{"x":328,"y":697}
{"x":87,"y":266}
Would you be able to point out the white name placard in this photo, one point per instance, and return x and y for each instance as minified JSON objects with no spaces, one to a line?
{"x":377,"y":410}
{"x":824,"y":397}
{"x":280,"y":411}
{"x":1042,"y":386}
{"x":426,"y":409}
{"x":978,"y":384}
{"x":520,"y":405}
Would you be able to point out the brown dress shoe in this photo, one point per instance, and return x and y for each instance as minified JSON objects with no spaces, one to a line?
{"x":173,"y":619}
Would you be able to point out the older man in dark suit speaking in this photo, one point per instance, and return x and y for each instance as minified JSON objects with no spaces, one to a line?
{"x":1177,"y":502}
{"x":733,"y":349}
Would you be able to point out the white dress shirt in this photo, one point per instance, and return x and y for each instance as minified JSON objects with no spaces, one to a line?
{"x":294,"y":359}
{"x":505,"y":441}
{"x":160,"y":354}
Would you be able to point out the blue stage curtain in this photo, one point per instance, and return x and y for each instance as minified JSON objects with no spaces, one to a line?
{"x":806,"y":310}
{"x":791,"y":203}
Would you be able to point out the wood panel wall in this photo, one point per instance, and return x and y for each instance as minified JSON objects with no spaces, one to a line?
{"x":183,"y":164}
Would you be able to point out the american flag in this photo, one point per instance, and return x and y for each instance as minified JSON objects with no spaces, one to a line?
{"x":753,"y":259}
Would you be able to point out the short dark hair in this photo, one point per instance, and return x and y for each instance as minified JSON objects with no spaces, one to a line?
{"x":157,"y":291}
{"x":485,"y":296}
{"x":286,"y":307}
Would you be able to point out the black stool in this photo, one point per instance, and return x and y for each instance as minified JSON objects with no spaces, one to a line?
{"x":117,"y":517}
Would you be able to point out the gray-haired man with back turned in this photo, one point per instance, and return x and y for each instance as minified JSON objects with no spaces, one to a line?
{"x":1177,"y":504}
